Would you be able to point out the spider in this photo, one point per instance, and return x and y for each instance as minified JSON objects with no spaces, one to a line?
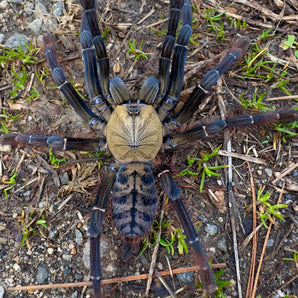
{"x":135,"y":130}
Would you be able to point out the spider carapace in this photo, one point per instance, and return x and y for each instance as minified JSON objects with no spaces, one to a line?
{"x":134,"y":131}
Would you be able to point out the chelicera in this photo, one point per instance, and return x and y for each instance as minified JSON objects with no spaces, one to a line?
{"x":135,"y":130}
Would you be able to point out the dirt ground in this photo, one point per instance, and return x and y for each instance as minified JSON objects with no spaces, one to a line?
{"x":61,"y":197}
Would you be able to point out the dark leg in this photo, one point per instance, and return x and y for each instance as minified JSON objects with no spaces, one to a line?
{"x":65,"y":87}
{"x":210,"y":79}
{"x":54,"y":142}
{"x":204,"y":131}
{"x":89,"y":24}
{"x":174,"y":194}
{"x":168,"y":46}
{"x":180,"y":52}
{"x":99,"y":209}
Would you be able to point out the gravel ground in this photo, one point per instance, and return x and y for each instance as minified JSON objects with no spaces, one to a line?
{"x":63,"y":196}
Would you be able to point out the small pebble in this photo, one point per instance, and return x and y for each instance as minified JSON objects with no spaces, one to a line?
{"x":113,"y":255}
{"x":222,"y":244}
{"x":86,"y":255}
{"x":79,"y":237}
{"x":1,"y":292}
{"x":64,"y":178}
{"x":270,"y":243}
{"x":35,"y":26}
{"x":3,"y":4}
{"x":66,"y":257}
{"x":58,"y":9}
{"x":41,"y":7}
{"x":268,"y":172}
{"x":17,"y":39}
{"x":211,"y":229}
{"x":50,"y":250}
{"x":75,"y":294}
{"x":42,"y":275}
{"x":185,"y":277}
{"x":53,"y":235}
{"x":111,"y":268}
{"x":16,"y":267}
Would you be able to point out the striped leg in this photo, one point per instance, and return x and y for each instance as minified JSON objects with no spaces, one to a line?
{"x":99,"y":208}
{"x":204,"y":131}
{"x":174,"y":194}
{"x":65,"y":87}
{"x":54,"y":142}
{"x":171,"y":85}
{"x":210,"y":79}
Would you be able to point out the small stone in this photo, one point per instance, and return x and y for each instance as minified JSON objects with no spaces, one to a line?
{"x":111,"y":268}
{"x":276,"y":174}
{"x":53,"y":235}
{"x":75,"y":294}
{"x":270,"y":243}
{"x":58,"y":9}
{"x":28,"y":8}
{"x":222,"y":244}
{"x":160,"y":266}
{"x":66,"y":270}
{"x":42,"y":275}
{"x":41,"y":7}
{"x":113,"y":255}
{"x":259,"y":172}
{"x":50,"y":250}
{"x":64,"y":178}
{"x":86,"y":255}
{"x":268,"y":172}
{"x":16,"y":267}
{"x":79,"y":237}
{"x":4,"y":179}
{"x":1,"y":292}
{"x":66,"y":257}
{"x":35,"y":26}
{"x":78,"y":276}
{"x":212,"y":249}
{"x":185,"y":277}
{"x":27,"y":193}
{"x":3,"y":4}
{"x":16,"y":40}
{"x":211,"y":229}
{"x":73,"y":251}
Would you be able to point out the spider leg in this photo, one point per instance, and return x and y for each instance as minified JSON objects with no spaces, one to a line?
{"x":54,"y":142}
{"x":174,"y":194}
{"x":65,"y":87}
{"x":210,"y":79}
{"x":102,"y":91}
{"x":172,"y":87}
{"x":168,"y":46}
{"x":204,"y":131}
{"x":99,"y":208}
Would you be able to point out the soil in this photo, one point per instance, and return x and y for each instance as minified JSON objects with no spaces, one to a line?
{"x":63,"y":196}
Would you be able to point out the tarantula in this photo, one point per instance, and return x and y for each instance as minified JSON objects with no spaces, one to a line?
{"x":134,"y":131}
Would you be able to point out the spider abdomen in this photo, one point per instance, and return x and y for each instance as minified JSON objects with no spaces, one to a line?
{"x":134,"y":133}
{"x":135,"y":200}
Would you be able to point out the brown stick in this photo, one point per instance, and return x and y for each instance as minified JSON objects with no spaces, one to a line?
{"x":111,"y":280}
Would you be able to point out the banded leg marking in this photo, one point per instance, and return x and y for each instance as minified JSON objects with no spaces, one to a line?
{"x":174,"y":194}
